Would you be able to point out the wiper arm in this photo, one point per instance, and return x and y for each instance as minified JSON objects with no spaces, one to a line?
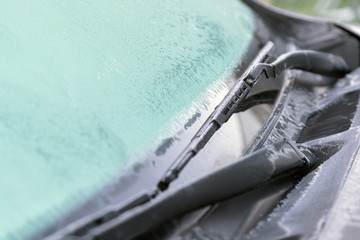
{"x":221,"y":114}
{"x":269,"y":163}
{"x":312,"y":61}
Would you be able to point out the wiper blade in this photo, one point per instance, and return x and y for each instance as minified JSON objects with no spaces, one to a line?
{"x":312,"y":61}
{"x":221,"y":114}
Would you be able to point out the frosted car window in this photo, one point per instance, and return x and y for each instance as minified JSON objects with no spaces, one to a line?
{"x":85,"y":85}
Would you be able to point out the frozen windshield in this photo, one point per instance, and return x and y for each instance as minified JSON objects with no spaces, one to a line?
{"x":87,"y":85}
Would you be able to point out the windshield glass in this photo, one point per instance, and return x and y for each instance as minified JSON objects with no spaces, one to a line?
{"x":88,"y":85}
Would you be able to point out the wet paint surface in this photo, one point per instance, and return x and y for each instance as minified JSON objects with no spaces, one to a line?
{"x":86,"y":85}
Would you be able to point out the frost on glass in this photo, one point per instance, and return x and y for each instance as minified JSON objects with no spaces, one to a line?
{"x":84,"y":85}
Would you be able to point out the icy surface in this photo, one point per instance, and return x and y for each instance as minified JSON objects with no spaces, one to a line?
{"x":86,"y":84}
{"x":344,"y":220}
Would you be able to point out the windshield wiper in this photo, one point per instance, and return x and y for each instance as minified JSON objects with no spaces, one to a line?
{"x":267,"y":164}
{"x":312,"y":61}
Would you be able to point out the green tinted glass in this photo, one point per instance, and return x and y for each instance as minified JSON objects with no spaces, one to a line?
{"x":85,"y":85}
